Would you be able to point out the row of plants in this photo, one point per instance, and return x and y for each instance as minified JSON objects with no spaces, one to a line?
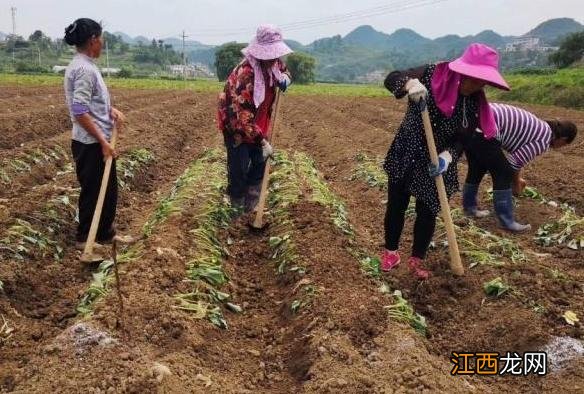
{"x":400,"y":309}
{"x":130,"y":163}
{"x":25,"y":163}
{"x":205,"y":269}
{"x":184,"y":188}
{"x":285,"y":191}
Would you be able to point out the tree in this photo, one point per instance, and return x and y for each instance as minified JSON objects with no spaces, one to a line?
{"x":226,"y":58}
{"x":571,"y":50}
{"x":302,"y":67}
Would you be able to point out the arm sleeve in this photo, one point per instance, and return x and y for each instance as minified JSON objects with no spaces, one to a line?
{"x":525,"y":154}
{"x":396,"y":80}
{"x":82,"y":92}
{"x":245,"y":116}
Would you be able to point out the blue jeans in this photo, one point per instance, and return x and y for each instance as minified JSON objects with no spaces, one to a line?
{"x":245,"y":167}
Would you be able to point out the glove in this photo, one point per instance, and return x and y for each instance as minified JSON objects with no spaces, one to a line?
{"x":416,"y":90}
{"x":284,"y":83}
{"x":444,"y":160}
{"x":267,"y":149}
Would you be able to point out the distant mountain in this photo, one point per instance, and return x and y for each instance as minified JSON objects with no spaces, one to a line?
{"x":405,"y":39}
{"x":490,"y":38}
{"x":549,"y":31}
{"x":294,"y":45}
{"x":366,"y":51}
{"x":189,"y":44}
{"x":367,"y":36}
{"x":125,"y":37}
{"x":142,"y":39}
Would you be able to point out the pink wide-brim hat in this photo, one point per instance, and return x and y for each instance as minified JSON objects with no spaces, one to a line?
{"x":481,"y":62}
{"x":268,"y":44}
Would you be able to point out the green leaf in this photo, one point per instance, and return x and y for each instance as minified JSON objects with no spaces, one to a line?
{"x":496,"y":287}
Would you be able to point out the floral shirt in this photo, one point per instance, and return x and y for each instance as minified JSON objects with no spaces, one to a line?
{"x":237,"y":113}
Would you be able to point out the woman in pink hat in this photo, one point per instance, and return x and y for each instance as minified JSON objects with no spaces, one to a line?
{"x":454,"y":93}
{"x":245,"y":108}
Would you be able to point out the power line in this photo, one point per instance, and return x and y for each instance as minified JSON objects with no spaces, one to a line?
{"x":394,"y":7}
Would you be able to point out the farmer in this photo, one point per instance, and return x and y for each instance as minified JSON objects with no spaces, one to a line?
{"x":523,"y":136}
{"x":93,"y":119}
{"x":245,"y":108}
{"x":457,"y":104}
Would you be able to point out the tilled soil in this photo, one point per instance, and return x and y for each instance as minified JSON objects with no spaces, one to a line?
{"x":342,"y":341}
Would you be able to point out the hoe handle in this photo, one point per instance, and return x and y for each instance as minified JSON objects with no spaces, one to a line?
{"x":258,"y":221}
{"x":455,"y":262}
{"x":88,"y":251}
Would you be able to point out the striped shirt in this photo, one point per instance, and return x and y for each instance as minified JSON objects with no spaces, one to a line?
{"x":522,"y":134}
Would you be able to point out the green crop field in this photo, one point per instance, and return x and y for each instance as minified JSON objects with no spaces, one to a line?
{"x":562,"y":88}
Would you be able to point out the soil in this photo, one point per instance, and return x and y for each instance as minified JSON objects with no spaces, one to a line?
{"x":341,"y":341}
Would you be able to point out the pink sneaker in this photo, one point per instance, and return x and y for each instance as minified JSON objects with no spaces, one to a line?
{"x":417,"y":269}
{"x":389,"y":260}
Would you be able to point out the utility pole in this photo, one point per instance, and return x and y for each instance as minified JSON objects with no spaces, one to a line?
{"x":107,"y":58}
{"x":184,"y":56}
{"x":13,"y":11}
{"x":39,"y":51}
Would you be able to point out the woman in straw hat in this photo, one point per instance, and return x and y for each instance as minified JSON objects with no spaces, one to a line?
{"x":245,"y":108}
{"x":454,"y":92}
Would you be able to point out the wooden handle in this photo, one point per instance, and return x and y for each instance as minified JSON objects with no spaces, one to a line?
{"x":455,"y":262}
{"x":88,"y":251}
{"x":258,"y":221}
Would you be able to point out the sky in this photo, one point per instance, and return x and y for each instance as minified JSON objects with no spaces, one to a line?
{"x":218,"y":21}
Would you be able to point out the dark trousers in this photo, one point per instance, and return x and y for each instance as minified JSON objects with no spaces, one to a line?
{"x":484,"y":156}
{"x":245,"y":167}
{"x":398,"y":199}
{"x":89,"y":166}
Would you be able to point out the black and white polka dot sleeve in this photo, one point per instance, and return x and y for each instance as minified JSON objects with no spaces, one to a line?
{"x":396,"y":80}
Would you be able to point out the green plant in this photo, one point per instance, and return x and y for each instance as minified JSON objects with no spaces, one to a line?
{"x":371,"y":266}
{"x":322,"y":194}
{"x":205,"y":270}
{"x":369,"y":171}
{"x":129,"y":164}
{"x":5,"y":330}
{"x":402,"y":311}
{"x":568,"y":230}
{"x":22,"y":240}
{"x":307,"y":293}
{"x":184,"y":187}
{"x":284,"y":191}
{"x":496,"y":287}
{"x":101,"y":279}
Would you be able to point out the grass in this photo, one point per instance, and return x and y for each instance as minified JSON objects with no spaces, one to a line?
{"x":202,"y":85}
{"x":563,"y":88}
